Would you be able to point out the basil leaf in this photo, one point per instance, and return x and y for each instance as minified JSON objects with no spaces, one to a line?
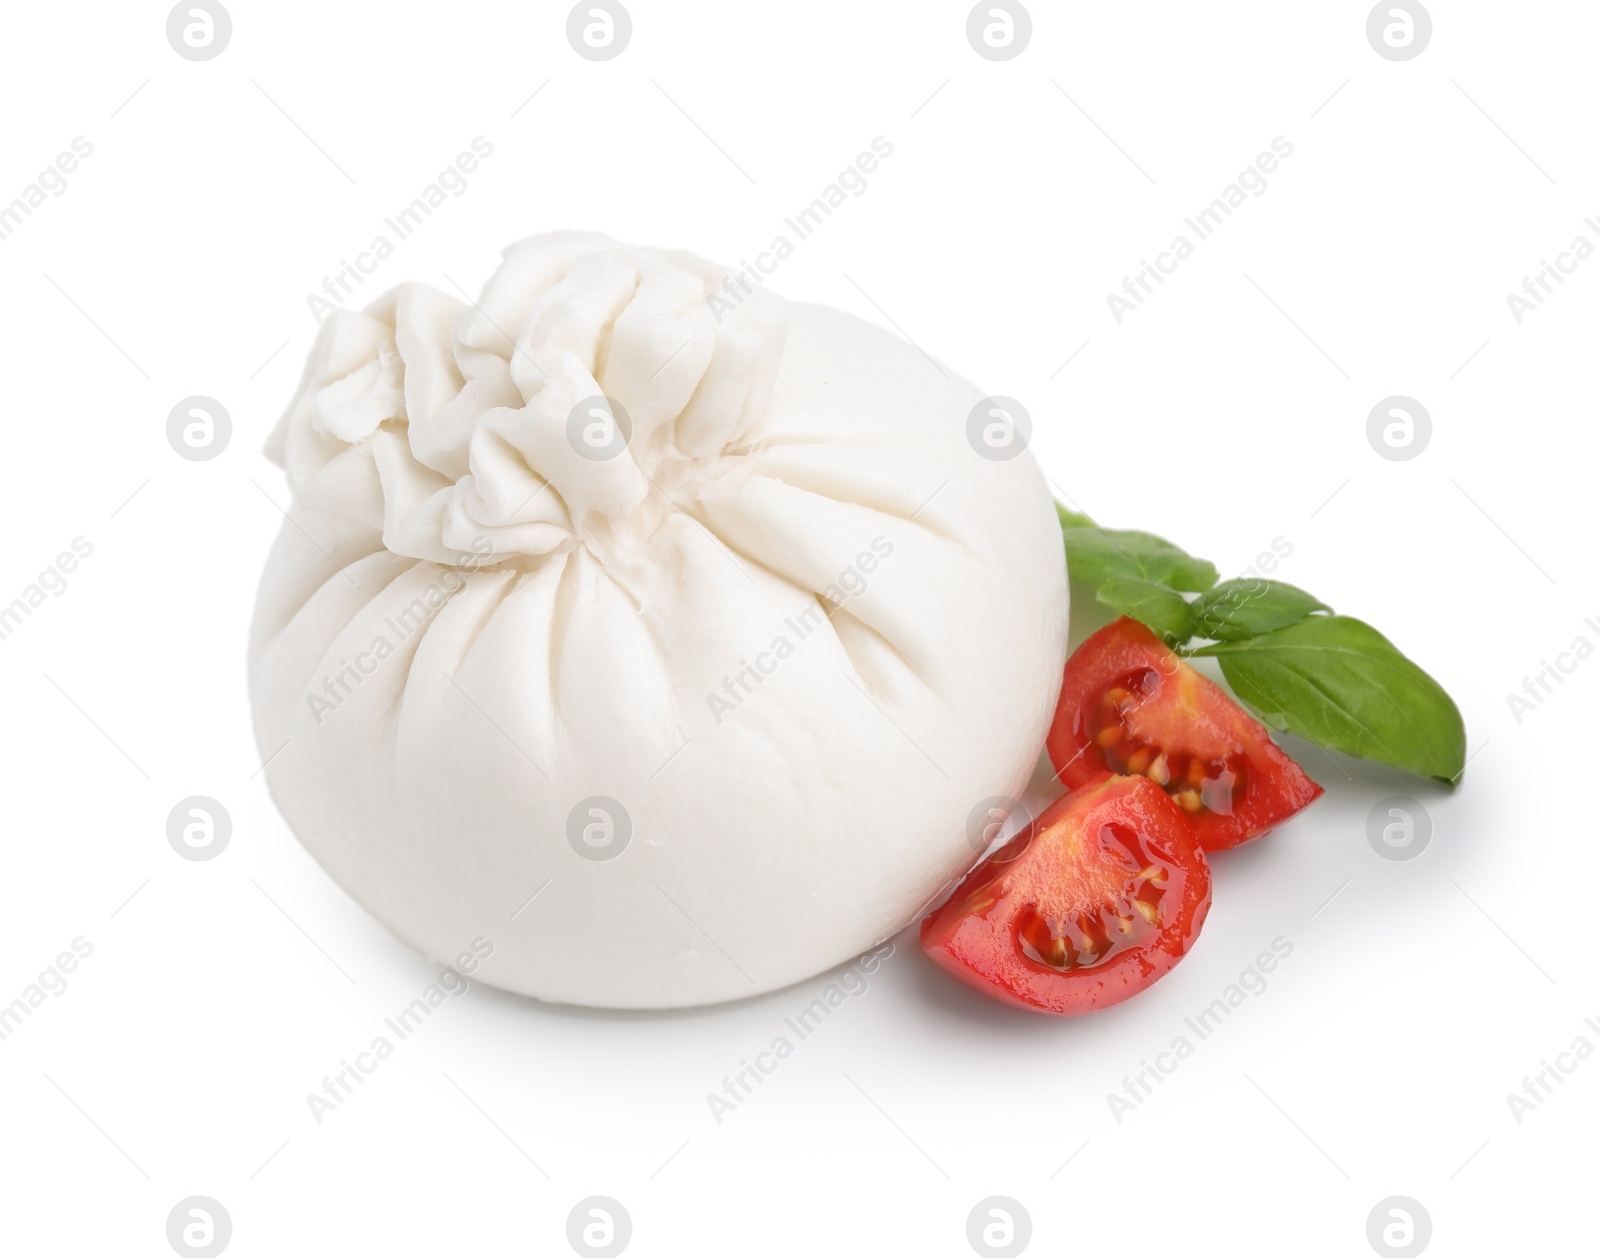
{"x":1247,"y":606}
{"x":1341,"y":684}
{"x":1096,"y":555}
{"x":1151,"y":603}
{"x":1073,"y":519}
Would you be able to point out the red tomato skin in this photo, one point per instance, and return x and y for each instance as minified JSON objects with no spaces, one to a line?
{"x":1188,"y":712}
{"x":981,"y":946}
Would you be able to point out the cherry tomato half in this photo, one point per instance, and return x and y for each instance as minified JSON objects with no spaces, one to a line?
{"x":1093,"y":902}
{"x":1129,"y":705}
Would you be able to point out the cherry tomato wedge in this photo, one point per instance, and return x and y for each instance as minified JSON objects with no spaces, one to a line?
{"x":1129,"y":705}
{"x":1093,"y":902}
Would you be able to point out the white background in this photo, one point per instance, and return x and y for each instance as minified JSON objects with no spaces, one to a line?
{"x":1228,"y":411}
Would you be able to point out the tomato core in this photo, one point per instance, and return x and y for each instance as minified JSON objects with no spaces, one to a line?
{"x":1130,"y":706}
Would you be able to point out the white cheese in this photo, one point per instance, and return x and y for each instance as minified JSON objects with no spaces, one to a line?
{"x":717,"y":685}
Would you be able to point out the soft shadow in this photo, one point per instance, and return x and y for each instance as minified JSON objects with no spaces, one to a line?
{"x":532,"y":1004}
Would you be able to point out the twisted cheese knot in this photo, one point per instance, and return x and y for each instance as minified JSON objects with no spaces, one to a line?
{"x":583,"y":394}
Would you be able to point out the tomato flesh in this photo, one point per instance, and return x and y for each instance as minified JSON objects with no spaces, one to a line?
{"x":1130,"y":705}
{"x":1093,"y":902}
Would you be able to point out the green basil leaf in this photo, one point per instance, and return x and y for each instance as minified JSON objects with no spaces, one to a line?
{"x":1341,"y":684}
{"x":1096,"y":555}
{"x":1151,"y":603}
{"x":1073,"y":519}
{"x":1247,"y":606}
